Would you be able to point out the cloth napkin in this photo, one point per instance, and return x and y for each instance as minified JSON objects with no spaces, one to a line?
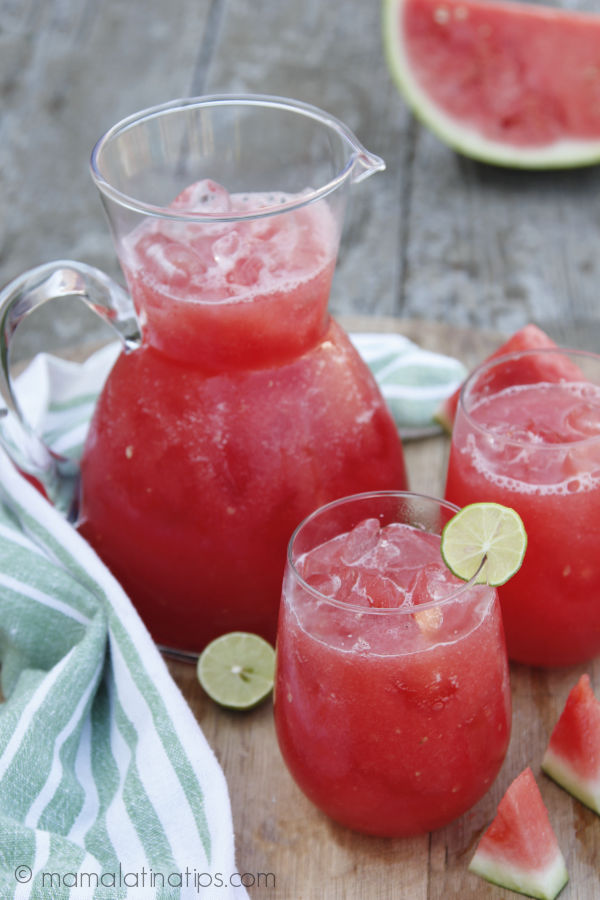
{"x":58,"y":397}
{"x":413,"y":381}
{"x":108,"y":788}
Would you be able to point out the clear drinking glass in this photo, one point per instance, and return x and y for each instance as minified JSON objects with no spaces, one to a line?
{"x":392,"y":700}
{"x":527,"y":435}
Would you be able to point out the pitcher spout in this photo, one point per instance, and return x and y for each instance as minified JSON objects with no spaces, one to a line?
{"x":366,"y":164}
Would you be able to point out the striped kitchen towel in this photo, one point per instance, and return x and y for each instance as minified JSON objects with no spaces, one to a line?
{"x":414,"y":381}
{"x":58,"y":396}
{"x":108,"y":788}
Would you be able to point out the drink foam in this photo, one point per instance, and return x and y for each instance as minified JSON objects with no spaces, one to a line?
{"x":235,"y":260}
{"x":539,"y":439}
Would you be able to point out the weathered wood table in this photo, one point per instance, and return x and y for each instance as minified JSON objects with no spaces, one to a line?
{"x":448,"y":251}
{"x":307,"y":857}
{"x":436,"y":236}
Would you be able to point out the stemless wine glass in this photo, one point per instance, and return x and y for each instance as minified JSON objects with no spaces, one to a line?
{"x":527,"y":435}
{"x":392,"y":700}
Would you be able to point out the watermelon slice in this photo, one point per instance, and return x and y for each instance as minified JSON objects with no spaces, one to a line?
{"x":530,"y":337}
{"x":572,"y":757}
{"x":514,"y":84}
{"x":519,"y":850}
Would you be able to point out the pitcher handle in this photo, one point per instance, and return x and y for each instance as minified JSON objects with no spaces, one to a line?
{"x":63,"y":278}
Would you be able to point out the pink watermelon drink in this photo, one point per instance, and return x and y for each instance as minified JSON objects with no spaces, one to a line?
{"x":527,"y":435}
{"x":241,"y":293}
{"x":392,"y":702}
{"x":246,"y":408}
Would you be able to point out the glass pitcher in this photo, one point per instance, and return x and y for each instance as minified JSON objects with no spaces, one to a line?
{"x":237,"y":405}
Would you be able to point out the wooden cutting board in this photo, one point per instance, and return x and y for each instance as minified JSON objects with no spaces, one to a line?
{"x":289,"y":850}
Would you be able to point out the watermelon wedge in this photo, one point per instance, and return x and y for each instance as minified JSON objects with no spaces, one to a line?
{"x":514,"y":84}
{"x":519,"y":850}
{"x":572,"y":757}
{"x":530,"y":337}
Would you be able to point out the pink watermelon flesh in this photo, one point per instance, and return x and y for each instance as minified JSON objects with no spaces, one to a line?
{"x":519,"y":850}
{"x":530,"y":337}
{"x":517,"y":73}
{"x":572,"y":757}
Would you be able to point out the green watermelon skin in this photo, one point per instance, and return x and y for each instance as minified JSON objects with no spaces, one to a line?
{"x":514,"y":84}
{"x":572,"y":757}
{"x":530,"y":337}
{"x":519,"y":850}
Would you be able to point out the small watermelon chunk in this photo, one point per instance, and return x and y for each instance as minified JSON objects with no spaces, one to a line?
{"x":572,"y":757}
{"x":530,"y":337}
{"x":519,"y":850}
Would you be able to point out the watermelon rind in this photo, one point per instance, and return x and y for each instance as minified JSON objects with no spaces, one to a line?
{"x":557,"y":768}
{"x":464,"y":139}
{"x":445,"y":413}
{"x":528,"y":337}
{"x":544,"y":884}
{"x":519,"y":849}
{"x":572,"y":757}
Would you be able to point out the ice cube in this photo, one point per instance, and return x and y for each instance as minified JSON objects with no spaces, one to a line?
{"x":582,"y":461}
{"x":412,"y":542}
{"x":321,"y":558}
{"x":173,"y":264}
{"x":226,"y":250}
{"x":378,"y":591}
{"x":204,"y":196}
{"x":432,"y":582}
{"x":360,"y":541}
{"x":325,"y":583}
{"x":584,"y":420}
{"x":263,"y":229}
{"x":245,"y":271}
{"x":402,"y":551}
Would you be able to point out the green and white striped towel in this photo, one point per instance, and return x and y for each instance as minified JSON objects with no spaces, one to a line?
{"x":58,"y":397}
{"x":108,"y":788}
{"x":413,"y":381}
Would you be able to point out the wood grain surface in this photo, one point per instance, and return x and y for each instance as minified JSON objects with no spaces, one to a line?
{"x":435,"y":246}
{"x":307,"y":857}
{"x":436,"y":236}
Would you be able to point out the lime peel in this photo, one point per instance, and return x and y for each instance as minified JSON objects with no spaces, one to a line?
{"x":485,"y":541}
{"x":237,"y":669}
